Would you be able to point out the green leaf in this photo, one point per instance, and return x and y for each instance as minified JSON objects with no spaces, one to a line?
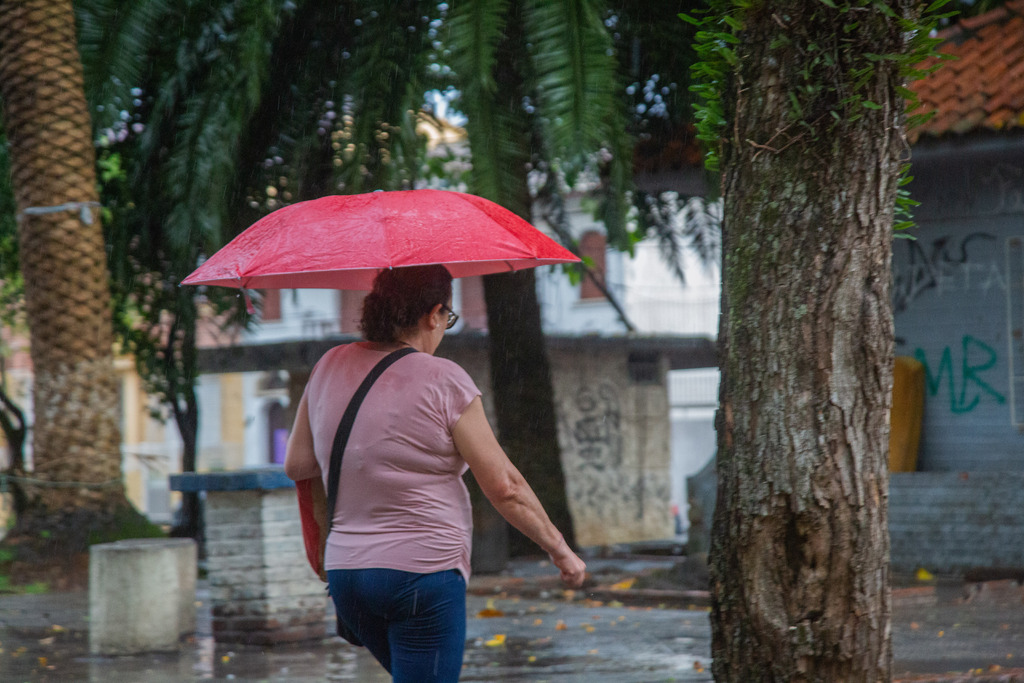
{"x":868,"y":104}
{"x":798,"y":111}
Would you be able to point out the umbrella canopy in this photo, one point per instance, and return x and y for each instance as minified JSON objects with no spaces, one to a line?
{"x":343,"y":241}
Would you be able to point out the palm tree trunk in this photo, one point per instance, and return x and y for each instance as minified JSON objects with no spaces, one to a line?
{"x":76,"y":438}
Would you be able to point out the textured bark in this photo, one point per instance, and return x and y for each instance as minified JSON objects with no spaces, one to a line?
{"x":800,"y":548}
{"x":76,"y":437}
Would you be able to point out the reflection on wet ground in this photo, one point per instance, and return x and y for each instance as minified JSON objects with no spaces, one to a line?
{"x":45,"y":638}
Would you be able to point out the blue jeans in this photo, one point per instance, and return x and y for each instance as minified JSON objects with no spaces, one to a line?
{"x":414,"y":624}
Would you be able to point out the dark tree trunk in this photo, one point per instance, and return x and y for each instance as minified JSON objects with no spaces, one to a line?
{"x":524,"y":403}
{"x":180,"y":352}
{"x":190,"y":522}
{"x":800,"y":546}
{"x":12,"y":423}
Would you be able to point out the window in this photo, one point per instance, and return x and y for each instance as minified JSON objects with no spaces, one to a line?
{"x":593,"y":247}
{"x":271,"y":309}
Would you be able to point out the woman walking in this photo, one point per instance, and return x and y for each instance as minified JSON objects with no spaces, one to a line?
{"x":397,"y":557}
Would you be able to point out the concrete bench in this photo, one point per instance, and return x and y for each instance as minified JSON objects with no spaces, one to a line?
{"x":142,"y":595}
{"x":262,"y":590}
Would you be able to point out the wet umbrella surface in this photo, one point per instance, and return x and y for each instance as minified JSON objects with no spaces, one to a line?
{"x":343,"y":241}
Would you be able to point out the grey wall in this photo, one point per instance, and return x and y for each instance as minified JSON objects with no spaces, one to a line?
{"x":958,"y":294}
{"x":949,"y":521}
{"x":941,"y":521}
{"x":613,"y":429}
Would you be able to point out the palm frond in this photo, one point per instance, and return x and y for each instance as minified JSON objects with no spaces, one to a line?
{"x":484,"y":52}
{"x":577,"y":86}
{"x":385,"y":76}
{"x":114,"y":40}
{"x":10,"y":273}
{"x":201,"y":167}
{"x":474,"y":31}
{"x":580,"y":103}
{"x":680,"y":224}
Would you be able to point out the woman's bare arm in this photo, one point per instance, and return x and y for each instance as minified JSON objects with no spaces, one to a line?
{"x":509,"y":492}
{"x":300,"y":460}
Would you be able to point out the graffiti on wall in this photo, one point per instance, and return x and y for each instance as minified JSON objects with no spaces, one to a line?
{"x":1007,"y":181}
{"x":945,"y":265}
{"x":612,"y":499}
{"x":597,"y":427}
{"x":965,"y":383}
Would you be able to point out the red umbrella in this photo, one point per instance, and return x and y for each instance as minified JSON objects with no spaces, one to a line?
{"x":343,"y":241}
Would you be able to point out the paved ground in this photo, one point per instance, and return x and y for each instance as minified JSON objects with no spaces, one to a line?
{"x":541,"y":634}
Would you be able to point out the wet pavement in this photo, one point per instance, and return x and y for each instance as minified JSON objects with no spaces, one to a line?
{"x":522,"y":627}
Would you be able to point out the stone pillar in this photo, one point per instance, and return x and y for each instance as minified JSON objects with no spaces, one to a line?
{"x":141,"y":595}
{"x":262,"y":589}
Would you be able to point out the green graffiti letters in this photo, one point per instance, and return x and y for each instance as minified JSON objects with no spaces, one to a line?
{"x":970,"y":374}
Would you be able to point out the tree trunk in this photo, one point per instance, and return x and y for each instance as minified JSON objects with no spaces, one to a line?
{"x":524,"y":402}
{"x":76,"y":437}
{"x":800,"y":546}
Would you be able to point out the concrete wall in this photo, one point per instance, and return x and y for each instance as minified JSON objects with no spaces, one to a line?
{"x":942,"y":521}
{"x":614,"y":433}
{"x":613,"y":429}
{"x":958,"y":294}
{"x":952,"y":521}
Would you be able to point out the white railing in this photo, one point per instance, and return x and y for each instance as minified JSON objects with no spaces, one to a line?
{"x":674,"y":314}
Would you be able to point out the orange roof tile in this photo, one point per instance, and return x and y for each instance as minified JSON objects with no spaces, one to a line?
{"x":984,"y":87}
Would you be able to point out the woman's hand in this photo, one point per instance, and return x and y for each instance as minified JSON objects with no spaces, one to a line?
{"x":572,"y":568}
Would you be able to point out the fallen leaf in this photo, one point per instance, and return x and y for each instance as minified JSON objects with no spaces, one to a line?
{"x":615,"y":603}
{"x":941,"y":633}
{"x":593,"y":652}
{"x":914,"y":626}
{"x":624,"y":585}
{"x":489,"y":611}
{"x":538,"y":622}
{"x":995,"y":667}
{"x":560,"y":626}
{"x":47,"y":641}
{"x":698,"y":667}
{"x":531,"y":659}
{"x":57,"y":628}
{"x":923,"y":574}
{"x":42,"y":661}
{"x":588,"y":628}
{"x":497,"y":640}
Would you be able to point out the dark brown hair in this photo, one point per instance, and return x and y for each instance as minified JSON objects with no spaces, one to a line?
{"x":400,"y":297}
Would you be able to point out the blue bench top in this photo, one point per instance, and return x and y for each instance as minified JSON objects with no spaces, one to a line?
{"x":263,"y":479}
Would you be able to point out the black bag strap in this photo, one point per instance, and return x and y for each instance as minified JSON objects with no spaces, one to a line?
{"x":345,"y":427}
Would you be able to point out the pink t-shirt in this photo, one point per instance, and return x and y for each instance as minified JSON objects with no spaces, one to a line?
{"x":402,"y":503}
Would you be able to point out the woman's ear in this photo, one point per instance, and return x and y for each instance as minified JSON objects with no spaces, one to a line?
{"x":432,"y":316}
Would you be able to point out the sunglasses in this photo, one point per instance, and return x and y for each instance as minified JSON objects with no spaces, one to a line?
{"x":453,"y":317}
